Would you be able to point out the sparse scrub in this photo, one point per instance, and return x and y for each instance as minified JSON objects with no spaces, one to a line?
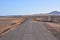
{"x":10,"y":24}
{"x":52,"y":24}
{"x":53,"y":28}
{"x":55,"y":19}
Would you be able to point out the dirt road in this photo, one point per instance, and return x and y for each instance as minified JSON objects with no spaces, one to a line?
{"x":29,"y":30}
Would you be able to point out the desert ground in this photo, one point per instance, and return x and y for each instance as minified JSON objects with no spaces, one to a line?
{"x":10,"y":23}
{"x":52,"y":24}
{"x":30,"y":28}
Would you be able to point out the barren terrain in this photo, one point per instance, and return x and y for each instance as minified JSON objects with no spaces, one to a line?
{"x":30,"y":28}
{"x":52,"y":24}
{"x":8,"y":24}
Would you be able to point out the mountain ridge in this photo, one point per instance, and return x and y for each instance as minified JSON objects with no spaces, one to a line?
{"x":54,"y":12}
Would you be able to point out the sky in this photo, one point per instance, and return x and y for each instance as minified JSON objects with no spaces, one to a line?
{"x":28,"y":7}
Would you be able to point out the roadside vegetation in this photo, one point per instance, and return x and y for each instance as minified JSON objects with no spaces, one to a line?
{"x":51,"y":23}
{"x":9,"y":24}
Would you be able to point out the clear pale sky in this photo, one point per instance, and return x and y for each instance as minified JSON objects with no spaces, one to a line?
{"x":23,"y":7}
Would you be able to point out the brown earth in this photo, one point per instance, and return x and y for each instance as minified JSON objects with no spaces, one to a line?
{"x":55,"y":19}
{"x":54,"y":28}
{"x":53,"y":25}
{"x":8,"y":24}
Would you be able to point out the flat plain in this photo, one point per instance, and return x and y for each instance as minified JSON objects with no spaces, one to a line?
{"x":30,"y":28}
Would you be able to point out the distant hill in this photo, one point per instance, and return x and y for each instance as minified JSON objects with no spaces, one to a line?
{"x":55,"y":12}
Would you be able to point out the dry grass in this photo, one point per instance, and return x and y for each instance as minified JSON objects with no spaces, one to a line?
{"x":37,"y":19}
{"x":8,"y":24}
{"x":54,"y":28}
{"x":53,"y":25}
{"x":55,"y":19}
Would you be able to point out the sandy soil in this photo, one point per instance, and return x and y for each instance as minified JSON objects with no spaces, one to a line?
{"x":54,"y":28}
{"x":8,"y":24}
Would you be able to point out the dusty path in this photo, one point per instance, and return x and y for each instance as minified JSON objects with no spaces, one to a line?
{"x":29,"y":30}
